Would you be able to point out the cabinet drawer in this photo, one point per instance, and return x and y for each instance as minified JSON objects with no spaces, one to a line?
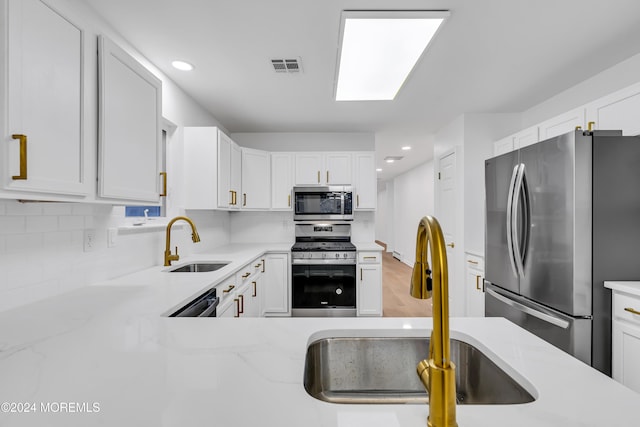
{"x":227,"y":289}
{"x":474,"y":262}
{"x":622,"y":302}
{"x":369,"y":257}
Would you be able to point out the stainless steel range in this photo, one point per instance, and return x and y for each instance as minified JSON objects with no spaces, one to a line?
{"x":323,"y":271}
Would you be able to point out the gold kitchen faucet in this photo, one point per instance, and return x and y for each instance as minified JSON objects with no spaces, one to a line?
{"x":168,"y":256}
{"x":437,"y":373}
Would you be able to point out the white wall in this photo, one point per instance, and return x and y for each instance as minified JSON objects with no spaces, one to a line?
{"x":412,"y":198}
{"x":382,"y":215}
{"x":306,"y":141}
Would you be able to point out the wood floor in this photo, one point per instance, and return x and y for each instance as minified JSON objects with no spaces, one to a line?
{"x":396,"y":301}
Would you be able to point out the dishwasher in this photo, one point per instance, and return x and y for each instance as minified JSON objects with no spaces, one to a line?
{"x":203,"y":306}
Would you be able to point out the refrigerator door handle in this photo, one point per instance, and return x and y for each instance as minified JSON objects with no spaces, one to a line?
{"x":528,"y":310}
{"x":512,"y":189}
{"x":520,"y":242}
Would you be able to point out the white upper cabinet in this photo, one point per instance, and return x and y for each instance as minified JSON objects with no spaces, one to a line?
{"x":365,"y":181}
{"x":526,"y":137}
{"x":563,"y":123}
{"x":337,"y":168}
{"x":212,"y":170}
{"x":256,"y":179}
{"x":618,"y":111}
{"x":281,"y":180}
{"x":503,"y":145}
{"x":42,"y":93}
{"x":130,"y":127}
{"x":323,"y":168}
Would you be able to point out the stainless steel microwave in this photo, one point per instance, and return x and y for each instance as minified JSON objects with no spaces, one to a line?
{"x":314,"y":203}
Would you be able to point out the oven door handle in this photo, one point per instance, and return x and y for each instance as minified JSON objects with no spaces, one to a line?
{"x":334,"y":261}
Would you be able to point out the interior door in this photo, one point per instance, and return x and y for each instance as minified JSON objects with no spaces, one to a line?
{"x":447,"y":217}
{"x":499,"y":266}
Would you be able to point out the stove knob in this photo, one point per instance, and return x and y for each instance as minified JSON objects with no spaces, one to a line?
{"x":344,"y":255}
{"x":324,"y":255}
{"x":337,"y":255}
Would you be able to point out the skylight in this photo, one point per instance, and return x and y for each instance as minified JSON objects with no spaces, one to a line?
{"x":379,"y":49}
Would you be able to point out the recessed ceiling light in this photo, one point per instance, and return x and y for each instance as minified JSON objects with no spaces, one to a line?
{"x":378,"y":50}
{"x":390,"y":160}
{"x":182,"y":65}
{"x":406,"y":147}
{"x":379,"y":170}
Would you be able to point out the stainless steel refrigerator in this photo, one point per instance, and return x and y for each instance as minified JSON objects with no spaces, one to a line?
{"x":563,"y":216}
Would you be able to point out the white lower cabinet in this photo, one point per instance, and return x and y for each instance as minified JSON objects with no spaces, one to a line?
{"x":626,"y":340}
{"x":276,"y":295}
{"x":474,"y":284}
{"x":369,"y":284}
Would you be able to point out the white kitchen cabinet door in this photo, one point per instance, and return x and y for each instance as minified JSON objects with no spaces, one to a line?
{"x":365,"y":181}
{"x":228,"y":309}
{"x":474,"y":284}
{"x":309,"y":168}
{"x":42,"y":93}
{"x":618,"y":111}
{"x":235,"y":179}
{"x":276,"y":300}
{"x":130,"y":127}
{"x":253,"y":308}
{"x":226,"y":197}
{"x":526,"y":137}
{"x":369,"y":290}
{"x":256,"y":179}
{"x":200,"y":172}
{"x":281,"y":180}
{"x":626,"y":339}
{"x":504,"y":145}
{"x":337,"y":169}
{"x":563,"y":123}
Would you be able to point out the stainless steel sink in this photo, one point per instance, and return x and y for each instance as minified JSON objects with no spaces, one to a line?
{"x":199,"y":267}
{"x":383,"y":370}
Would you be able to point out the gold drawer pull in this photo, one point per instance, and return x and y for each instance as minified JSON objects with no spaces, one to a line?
{"x":231,"y":287}
{"x":369,"y":257}
{"x":241,"y":304}
{"x":472,"y":262}
{"x":632,"y":311}
{"x":289,"y":200}
{"x":262,"y":261}
{"x":255,"y":289}
{"x":257,"y":265}
{"x":23,"y":156}
{"x":245,"y":275}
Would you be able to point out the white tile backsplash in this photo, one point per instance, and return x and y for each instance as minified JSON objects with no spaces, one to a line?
{"x":42,"y":248}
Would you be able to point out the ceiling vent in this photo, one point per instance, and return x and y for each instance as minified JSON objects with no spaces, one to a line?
{"x":287,"y":65}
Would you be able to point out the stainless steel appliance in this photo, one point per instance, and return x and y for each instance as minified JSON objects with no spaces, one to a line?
{"x":323,"y":271}
{"x":563,"y":216}
{"x":322,"y":203}
{"x":203,"y":306}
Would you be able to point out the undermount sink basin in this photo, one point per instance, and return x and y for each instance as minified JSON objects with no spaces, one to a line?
{"x":199,"y":267}
{"x":383,"y":370}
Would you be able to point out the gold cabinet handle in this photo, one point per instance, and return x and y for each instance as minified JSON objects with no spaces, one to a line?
{"x":289,"y":200}
{"x":229,"y":289}
{"x":478,"y":282}
{"x":255,"y":289}
{"x":164,"y":184}
{"x":237,"y":301}
{"x":590,"y":126}
{"x":357,"y":200}
{"x":361,"y":275}
{"x":245,"y":275}
{"x":632,"y":311}
{"x":257,"y":265}
{"x":578,"y":127}
{"x":369,"y":257}
{"x":262,"y":266}
{"x":472,"y":262}
{"x":23,"y":156}
{"x":451,"y":245}
{"x":318,"y":177}
{"x":244,"y":199}
{"x":231,"y":193}
{"x":241,"y":310}
{"x":327,"y":177}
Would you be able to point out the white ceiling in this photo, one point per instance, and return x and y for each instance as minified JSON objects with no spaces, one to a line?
{"x":490,"y":56}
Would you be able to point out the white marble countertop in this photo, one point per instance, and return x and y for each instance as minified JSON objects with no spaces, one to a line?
{"x":629,"y":287}
{"x":368,"y":246}
{"x":104,"y":356}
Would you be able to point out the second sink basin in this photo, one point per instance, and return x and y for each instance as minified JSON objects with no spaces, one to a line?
{"x":199,"y":267}
{"x":383,"y":370}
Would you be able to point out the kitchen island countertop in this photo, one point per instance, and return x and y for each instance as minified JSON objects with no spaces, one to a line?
{"x":105,"y":355}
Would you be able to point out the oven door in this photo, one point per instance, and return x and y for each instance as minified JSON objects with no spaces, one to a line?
{"x":323,"y":289}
